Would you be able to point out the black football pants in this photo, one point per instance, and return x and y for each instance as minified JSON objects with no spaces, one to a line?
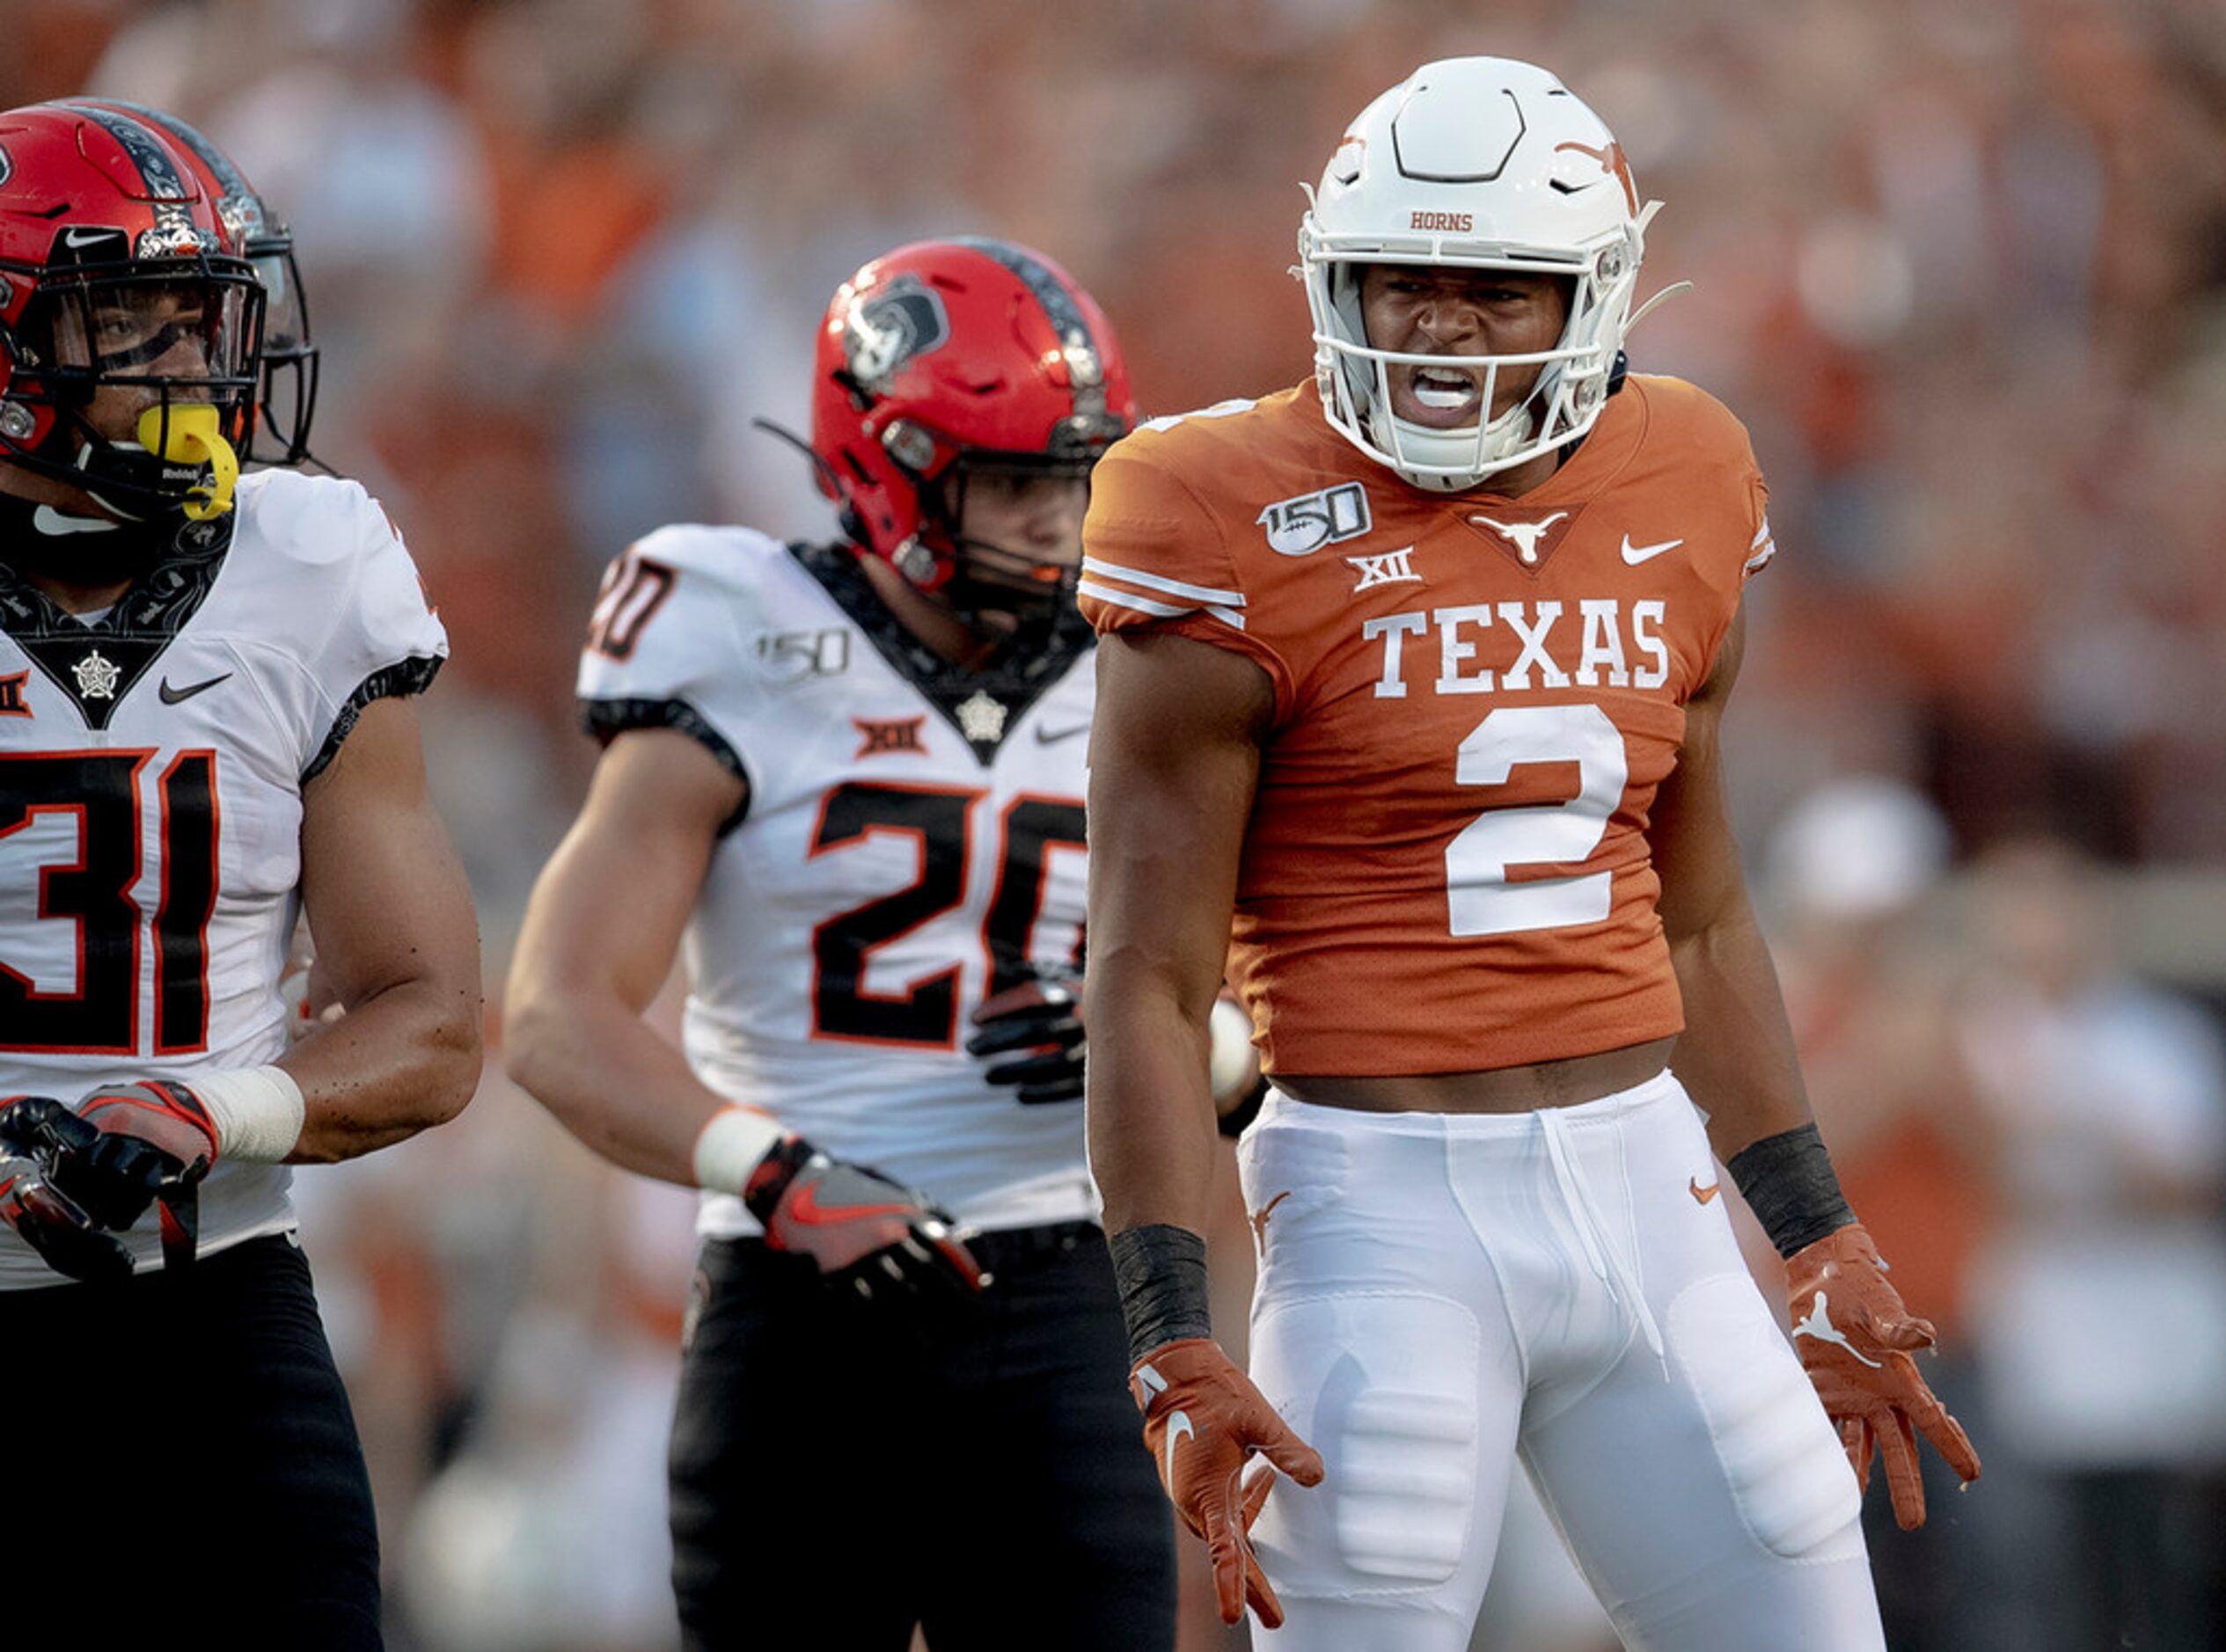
{"x":179,"y":1465}
{"x":843,"y":1470}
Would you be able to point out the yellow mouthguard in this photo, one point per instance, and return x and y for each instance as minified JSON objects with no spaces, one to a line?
{"x":195,"y":437}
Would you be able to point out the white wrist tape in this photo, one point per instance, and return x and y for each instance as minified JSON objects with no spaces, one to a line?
{"x":730,"y":1146}
{"x":257,"y":1111}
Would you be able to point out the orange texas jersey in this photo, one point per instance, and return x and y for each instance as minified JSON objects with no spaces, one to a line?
{"x":1475,"y":698}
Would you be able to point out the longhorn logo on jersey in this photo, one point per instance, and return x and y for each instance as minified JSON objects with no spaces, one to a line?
{"x":1301,"y":526}
{"x":1530,"y":543}
{"x":890,"y":325}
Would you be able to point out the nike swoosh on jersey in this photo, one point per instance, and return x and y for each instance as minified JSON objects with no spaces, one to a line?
{"x":172,"y":695}
{"x":1052,"y":736}
{"x":1634,"y":554}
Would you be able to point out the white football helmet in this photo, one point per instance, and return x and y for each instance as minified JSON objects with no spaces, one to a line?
{"x":1477,"y":162}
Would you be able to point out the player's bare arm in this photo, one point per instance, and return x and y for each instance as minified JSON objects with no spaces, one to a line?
{"x":601,"y":932}
{"x":1736,"y":1052}
{"x":1853,"y":1332}
{"x":1177,"y":739}
{"x":1176,"y":736}
{"x":600,"y":935}
{"x":387,"y":902}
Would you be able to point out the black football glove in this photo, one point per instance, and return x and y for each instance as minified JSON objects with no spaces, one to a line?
{"x":152,"y":1143}
{"x":867,"y":1233}
{"x":155,"y":1140}
{"x":35,"y":1132}
{"x":1043,"y":1020}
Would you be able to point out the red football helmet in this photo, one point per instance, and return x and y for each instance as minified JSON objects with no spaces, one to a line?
{"x":944,"y":357}
{"x":288,"y":400}
{"x":113,"y":256}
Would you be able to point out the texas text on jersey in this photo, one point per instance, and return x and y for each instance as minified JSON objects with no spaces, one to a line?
{"x":1535,"y":653}
{"x":151,"y":766}
{"x":915,"y":846}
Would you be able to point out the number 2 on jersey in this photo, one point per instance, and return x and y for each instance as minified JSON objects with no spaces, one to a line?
{"x":925,"y":1012}
{"x":100,"y":1015}
{"x":1480,"y":899}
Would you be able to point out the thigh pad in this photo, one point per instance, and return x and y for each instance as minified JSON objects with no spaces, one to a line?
{"x":1385,"y":1385}
{"x":1788,"y":1477}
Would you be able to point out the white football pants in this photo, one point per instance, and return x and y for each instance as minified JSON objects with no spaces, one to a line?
{"x":1440,"y":1294}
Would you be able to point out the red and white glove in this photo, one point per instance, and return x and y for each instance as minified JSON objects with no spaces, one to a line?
{"x":35,"y":1132}
{"x":154,"y":1136}
{"x":1203,"y":1419}
{"x":875,"y":1235}
{"x":1855,"y":1338}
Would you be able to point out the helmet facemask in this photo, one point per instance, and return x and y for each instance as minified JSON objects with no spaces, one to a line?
{"x":286,"y":402}
{"x":95,"y":330}
{"x":993,"y":586}
{"x":1571,"y":386}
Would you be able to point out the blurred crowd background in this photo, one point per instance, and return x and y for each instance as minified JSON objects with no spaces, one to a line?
{"x":1960,"y":268}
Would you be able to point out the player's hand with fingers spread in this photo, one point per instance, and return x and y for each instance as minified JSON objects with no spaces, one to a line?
{"x":1203,"y":1420}
{"x":876,"y":1235}
{"x":1855,"y":1338}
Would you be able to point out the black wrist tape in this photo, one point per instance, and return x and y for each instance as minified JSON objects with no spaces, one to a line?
{"x":1787,"y":1181}
{"x":1161,"y":1271}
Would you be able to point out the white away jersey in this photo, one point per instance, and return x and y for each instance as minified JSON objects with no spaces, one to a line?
{"x":151,"y":768}
{"x":912,"y":842}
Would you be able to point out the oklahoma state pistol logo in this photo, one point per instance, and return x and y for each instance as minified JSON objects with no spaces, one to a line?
{"x":11,"y":701}
{"x":881,"y":739}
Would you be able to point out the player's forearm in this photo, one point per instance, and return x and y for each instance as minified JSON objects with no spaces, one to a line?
{"x":1151,"y":1121}
{"x":1736,"y":1056}
{"x":609,"y":1079}
{"x":399,"y":1062}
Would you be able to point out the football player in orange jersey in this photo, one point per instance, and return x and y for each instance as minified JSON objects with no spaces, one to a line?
{"x":1425,"y":747}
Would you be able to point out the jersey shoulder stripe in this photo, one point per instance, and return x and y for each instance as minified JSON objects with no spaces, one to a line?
{"x":1102,"y":581}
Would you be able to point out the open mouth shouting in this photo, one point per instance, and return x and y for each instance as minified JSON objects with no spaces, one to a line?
{"x":1440,"y":397}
